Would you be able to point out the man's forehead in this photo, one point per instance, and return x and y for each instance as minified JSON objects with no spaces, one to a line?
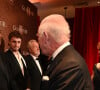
{"x":15,"y":39}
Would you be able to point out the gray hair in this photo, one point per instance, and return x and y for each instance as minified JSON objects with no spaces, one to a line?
{"x":56,"y":26}
{"x":30,"y":43}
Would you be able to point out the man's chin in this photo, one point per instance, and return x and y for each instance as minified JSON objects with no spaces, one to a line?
{"x":14,"y":50}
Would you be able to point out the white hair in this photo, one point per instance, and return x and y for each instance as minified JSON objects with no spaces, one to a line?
{"x":30,"y":43}
{"x":56,"y":26}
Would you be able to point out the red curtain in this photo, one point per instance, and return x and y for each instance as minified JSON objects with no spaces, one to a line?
{"x":86,"y":34}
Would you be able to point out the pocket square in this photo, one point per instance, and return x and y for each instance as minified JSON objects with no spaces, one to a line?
{"x":45,"y":78}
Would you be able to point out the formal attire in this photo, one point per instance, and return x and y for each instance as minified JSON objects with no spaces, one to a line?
{"x":19,"y":78}
{"x":4,"y":77}
{"x":68,"y":70}
{"x":96,"y":78}
{"x":35,"y":71}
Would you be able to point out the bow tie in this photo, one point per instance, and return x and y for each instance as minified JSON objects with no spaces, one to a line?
{"x":37,"y":58}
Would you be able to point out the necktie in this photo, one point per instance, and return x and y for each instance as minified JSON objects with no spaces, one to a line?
{"x":49,"y":63}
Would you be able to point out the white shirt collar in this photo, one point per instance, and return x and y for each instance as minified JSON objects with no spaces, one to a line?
{"x":60,"y":49}
{"x":20,"y":57}
{"x":34,"y":57}
{"x":37,"y":63}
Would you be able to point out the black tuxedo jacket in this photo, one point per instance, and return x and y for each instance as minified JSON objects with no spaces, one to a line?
{"x":69,"y":71}
{"x":96,"y":78}
{"x":4,"y":78}
{"x":35,"y":75}
{"x":17,"y":80}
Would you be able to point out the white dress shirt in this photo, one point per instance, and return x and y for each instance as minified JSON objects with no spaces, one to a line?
{"x":20,"y":60}
{"x":60,"y":49}
{"x":37,"y":63}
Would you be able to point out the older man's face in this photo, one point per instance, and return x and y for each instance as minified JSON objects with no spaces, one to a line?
{"x":43,"y":44}
{"x":34,"y":49}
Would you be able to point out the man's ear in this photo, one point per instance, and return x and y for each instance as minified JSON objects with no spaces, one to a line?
{"x":45,"y":35}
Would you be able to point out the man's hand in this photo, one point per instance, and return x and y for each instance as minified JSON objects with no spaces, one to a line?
{"x":98,"y":66}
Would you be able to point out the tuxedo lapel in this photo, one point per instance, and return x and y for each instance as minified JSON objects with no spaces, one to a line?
{"x":56,"y":60}
{"x":17,"y":78}
{"x":35,"y":75}
{"x":34,"y":64}
{"x":54,"y":63}
{"x":14,"y":63}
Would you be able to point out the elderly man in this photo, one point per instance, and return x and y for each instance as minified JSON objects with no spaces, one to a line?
{"x":33,"y":65}
{"x":68,"y":70}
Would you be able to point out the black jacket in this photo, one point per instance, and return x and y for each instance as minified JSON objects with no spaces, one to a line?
{"x":17,"y":80}
{"x":68,"y":71}
{"x":35,"y":75}
{"x":4,"y":77}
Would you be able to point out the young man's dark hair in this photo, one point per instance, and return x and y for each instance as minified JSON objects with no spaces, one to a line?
{"x":14,"y":34}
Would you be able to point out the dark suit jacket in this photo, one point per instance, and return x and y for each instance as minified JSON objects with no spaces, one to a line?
{"x":4,"y":78}
{"x":35,"y":75}
{"x":18,"y":81}
{"x":96,"y":78}
{"x":69,"y":71}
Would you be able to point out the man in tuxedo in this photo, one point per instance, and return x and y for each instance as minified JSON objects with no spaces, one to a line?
{"x":68,"y":70}
{"x":15,"y":63}
{"x":33,"y":64}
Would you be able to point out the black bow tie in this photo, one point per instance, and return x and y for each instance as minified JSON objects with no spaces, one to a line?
{"x":37,"y":58}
